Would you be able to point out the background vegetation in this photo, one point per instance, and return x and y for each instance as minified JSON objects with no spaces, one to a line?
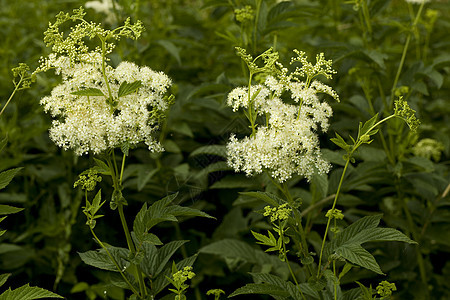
{"x":193,"y":42}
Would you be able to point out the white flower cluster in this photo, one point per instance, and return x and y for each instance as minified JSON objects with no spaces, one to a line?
{"x":287,"y":143}
{"x":90,"y":123}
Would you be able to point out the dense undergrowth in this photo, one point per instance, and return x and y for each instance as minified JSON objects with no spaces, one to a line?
{"x":390,"y":57}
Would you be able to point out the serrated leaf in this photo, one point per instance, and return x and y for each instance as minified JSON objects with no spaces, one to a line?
{"x":165,"y":253}
{"x":7,"y":209}
{"x":4,"y":278}
{"x":367,"y":125}
{"x":7,"y":176}
{"x":380,"y":234}
{"x":128,"y":88}
{"x":139,"y":226}
{"x":27,"y":292}
{"x":89,"y":92}
{"x":359,"y":256}
{"x":260,"y":288}
{"x":183,"y":211}
{"x":101,"y":260}
{"x":269,"y":198}
{"x":286,"y":285}
{"x":265,"y":240}
{"x":236,"y":249}
{"x":339,"y":141}
{"x":101,"y":167}
{"x":219,"y":150}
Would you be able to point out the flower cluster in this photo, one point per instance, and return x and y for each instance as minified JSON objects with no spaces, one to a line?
{"x":286,"y":142}
{"x":281,"y":212}
{"x":429,"y":148}
{"x":98,"y":107}
{"x":403,"y":111}
{"x":385,"y":288}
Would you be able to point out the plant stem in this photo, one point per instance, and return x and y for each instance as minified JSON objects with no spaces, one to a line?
{"x":405,"y":49}
{"x":114,"y":262}
{"x":329,"y":219}
{"x":12,"y":95}
{"x":255,"y":28}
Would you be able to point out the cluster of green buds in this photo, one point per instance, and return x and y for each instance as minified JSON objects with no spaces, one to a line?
{"x":406,"y":113}
{"x":178,"y":280}
{"x":280,"y":213}
{"x":385,"y":289}
{"x":88,"y":180}
{"x":244,"y":15}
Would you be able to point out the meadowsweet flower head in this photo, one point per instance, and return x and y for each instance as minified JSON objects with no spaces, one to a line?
{"x":429,"y":148}
{"x":97,"y":107}
{"x":244,"y":15}
{"x":281,"y":212}
{"x":385,"y":288}
{"x":88,"y":180}
{"x":403,"y":111}
{"x":286,"y":142}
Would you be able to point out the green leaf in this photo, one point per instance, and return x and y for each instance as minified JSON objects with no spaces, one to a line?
{"x":339,"y":141}
{"x":380,"y":234}
{"x":286,"y":285}
{"x":128,"y":88}
{"x":27,"y":292}
{"x":7,"y":176}
{"x":182,"y":211}
{"x":89,"y":92}
{"x":171,"y":48}
{"x":7,"y":209}
{"x":139,"y":226}
{"x":102,"y":167}
{"x":260,"y":288}
{"x":356,"y":254}
{"x":4,"y":278}
{"x":101,"y":260}
{"x":230,"y":248}
{"x":165,"y":253}
{"x":265,"y":240}
{"x":367,"y":125}
{"x":269,"y":198}
{"x":219,"y":150}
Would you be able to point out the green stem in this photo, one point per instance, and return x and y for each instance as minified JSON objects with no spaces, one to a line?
{"x":114,"y":262}
{"x":329,"y":219}
{"x":121,"y":169}
{"x":405,"y":50}
{"x":335,"y":283}
{"x":298,"y":218}
{"x":416,"y":237}
{"x":12,"y":95}
{"x":290,"y":269}
{"x":255,"y":28}
{"x":131,"y":247}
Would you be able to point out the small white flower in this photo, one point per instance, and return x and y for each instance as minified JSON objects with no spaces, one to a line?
{"x":288,"y":144}
{"x":90,"y":123}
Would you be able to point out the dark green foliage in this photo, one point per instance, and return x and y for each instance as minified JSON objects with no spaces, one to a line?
{"x":193,"y":41}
